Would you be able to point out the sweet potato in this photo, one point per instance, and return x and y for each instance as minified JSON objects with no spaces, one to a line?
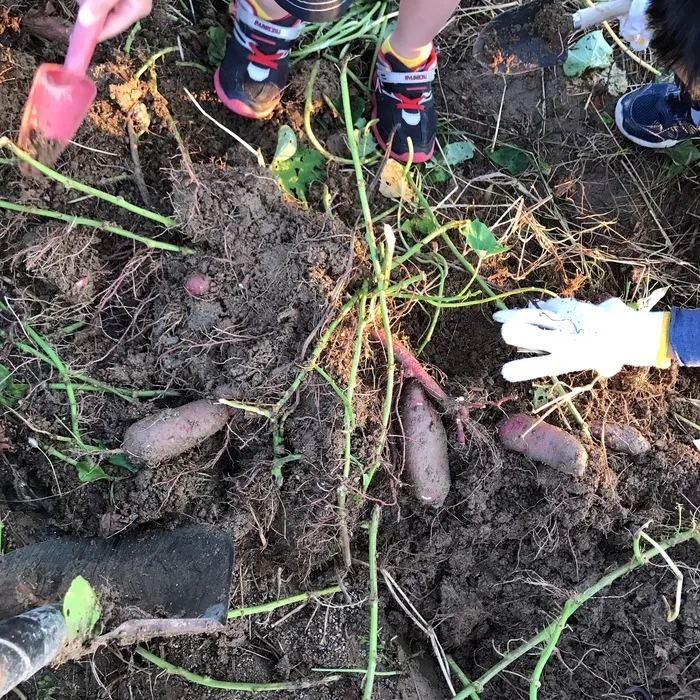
{"x":171,"y":432}
{"x":621,"y":438}
{"x":425,"y":440}
{"x":544,"y":443}
{"x":198,"y":285}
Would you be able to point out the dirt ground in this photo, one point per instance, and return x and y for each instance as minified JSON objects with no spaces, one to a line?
{"x":514,"y":540}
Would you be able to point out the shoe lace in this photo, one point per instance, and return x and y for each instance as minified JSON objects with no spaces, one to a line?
{"x":410,"y":103}
{"x":268,"y":60}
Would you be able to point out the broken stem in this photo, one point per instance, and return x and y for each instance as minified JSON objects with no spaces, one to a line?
{"x":574,"y":604}
{"x":74,"y":184}
{"x":374,"y":605}
{"x":275,"y":604}
{"x":94,"y":223}
{"x":232,"y":685}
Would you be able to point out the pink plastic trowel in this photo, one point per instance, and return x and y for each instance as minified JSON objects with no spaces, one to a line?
{"x":59,"y":99}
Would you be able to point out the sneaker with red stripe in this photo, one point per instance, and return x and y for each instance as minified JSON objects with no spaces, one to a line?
{"x":403,"y":104}
{"x":254,"y":71}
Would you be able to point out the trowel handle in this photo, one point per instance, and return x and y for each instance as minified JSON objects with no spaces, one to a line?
{"x":27,"y":643}
{"x":81,"y":46}
{"x":602,"y":12}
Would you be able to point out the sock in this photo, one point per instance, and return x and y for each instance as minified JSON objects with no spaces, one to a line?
{"x":423,"y":54}
{"x":695,"y":114}
{"x":264,"y":15}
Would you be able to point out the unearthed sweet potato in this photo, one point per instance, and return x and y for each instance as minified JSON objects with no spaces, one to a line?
{"x":425,"y":442}
{"x":198,"y":285}
{"x":544,"y":443}
{"x":621,"y":438}
{"x":171,"y":432}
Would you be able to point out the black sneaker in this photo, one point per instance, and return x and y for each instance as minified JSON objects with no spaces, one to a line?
{"x":254,"y":71}
{"x":403,"y":101}
{"x":656,"y":116}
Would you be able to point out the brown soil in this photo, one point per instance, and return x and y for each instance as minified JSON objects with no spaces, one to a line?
{"x":553,"y":24}
{"x":513,"y":539}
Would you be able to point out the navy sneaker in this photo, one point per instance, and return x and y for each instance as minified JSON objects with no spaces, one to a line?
{"x":403,"y":103}
{"x":656,"y":116}
{"x":254,"y":71}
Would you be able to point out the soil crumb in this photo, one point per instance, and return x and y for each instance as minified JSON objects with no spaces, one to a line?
{"x":46,"y":151}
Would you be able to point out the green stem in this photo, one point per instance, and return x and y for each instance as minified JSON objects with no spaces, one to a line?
{"x":275,"y":604}
{"x":535,"y":683}
{"x":94,"y":223}
{"x":359,"y":671}
{"x":232,"y":685}
{"x":126,"y":394}
{"x":442,"y":304}
{"x":462,"y":677}
{"x":151,"y":61}
{"x":374,"y":605}
{"x":308,"y":104}
{"x":381,"y":275}
{"x":74,"y":184}
{"x":572,"y":605}
{"x":349,"y":422}
{"x":318,"y":350}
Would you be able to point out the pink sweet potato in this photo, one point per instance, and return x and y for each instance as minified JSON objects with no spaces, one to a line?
{"x":621,"y":438}
{"x":171,"y":432}
{"x":425,"y":440}
{"x":544,"y":443}
{"x":198,"y":285}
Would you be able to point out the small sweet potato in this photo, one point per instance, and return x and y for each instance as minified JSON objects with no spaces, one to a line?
{"x":621,"y":438}
{"x":544,"y":443}
{"x":171,"y":432}
{"x":425,"y":440}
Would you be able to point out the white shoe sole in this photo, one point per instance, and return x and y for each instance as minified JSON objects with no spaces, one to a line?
{"x":670,"y":143}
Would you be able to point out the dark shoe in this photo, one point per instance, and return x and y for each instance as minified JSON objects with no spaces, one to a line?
{"x":254,"y":71}
{"x":656,"y":116}
{"x":403,"y":104}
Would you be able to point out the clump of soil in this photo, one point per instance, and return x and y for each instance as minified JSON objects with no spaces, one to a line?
{"x":63,"y":257}
{"x":518,"y":46}
{"x":553,"y":23}
{"x":271,"y":266}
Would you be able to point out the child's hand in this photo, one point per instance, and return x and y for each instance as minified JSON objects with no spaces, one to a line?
{"x":121,"y":14}
{"x":579,"y":336}
{"x":633,"y":26}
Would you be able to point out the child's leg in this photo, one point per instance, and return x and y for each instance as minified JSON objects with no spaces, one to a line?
{"x":418,"y":24}
{"x":253,"y":74}
{"x":403,"y":95}
{"x":663,"y":115}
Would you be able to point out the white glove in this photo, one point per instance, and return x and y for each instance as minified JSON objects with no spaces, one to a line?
{"x":633,"y":26}
{"x":580,"y":336}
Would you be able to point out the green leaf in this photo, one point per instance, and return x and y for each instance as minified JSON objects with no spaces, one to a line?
{"x":438,"y":167}
{"x":121,"y":460}
{"x":592,"y":51}
{"x":217,"y":44}
{"x":515,"y":160}
{"x":456,"y":153}
{"x":90,"y":471}
{"x":286,"y":143}
{"x":682,"y":156}
{"x":367,"y":144}
{"x":481,"y":239}
{"x":81,"y":610}
{"x":10,"y":391}
{"x":540,"y":396}
{"x":298,"y":172}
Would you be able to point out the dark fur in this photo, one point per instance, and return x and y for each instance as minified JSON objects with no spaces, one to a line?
{"x":676,"y":26}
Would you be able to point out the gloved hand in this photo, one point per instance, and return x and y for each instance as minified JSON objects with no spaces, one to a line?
{"x":633,"y":26}
{"x":580,"y":336}
{"x":121,"y":14}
